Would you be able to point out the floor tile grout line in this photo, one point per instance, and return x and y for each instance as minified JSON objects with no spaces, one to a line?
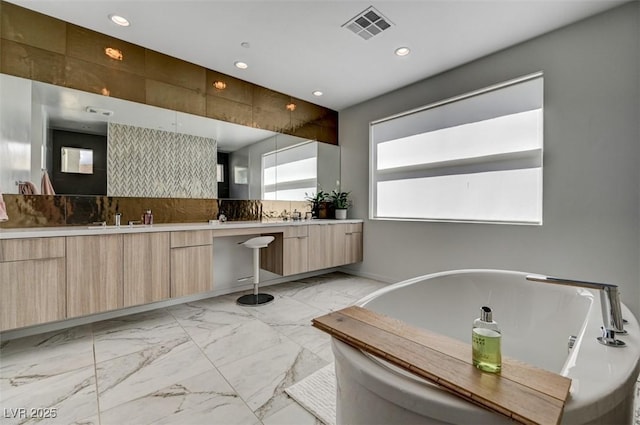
{"x":215,"y":367}
{"x":95,"y":374}
{"x":282,"y":335}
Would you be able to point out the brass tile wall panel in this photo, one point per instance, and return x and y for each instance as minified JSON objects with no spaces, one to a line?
{"x":271,"y":120}
{"x":34,"y":29}
{"x":99,"y":79}
{"x":240,"y":210}
{"x":89,"y":209}
{"x":329,"y":120}
{"x":328,"y":135}
{"x":34,"y":211}
{"x":32,"y":63}
{"x":69,"y":210}
{"x":270,"y":100}
{"x":85,"y":210}
{"x":175,"y":71}
{"x":176,"y":210}
{"x":90,"y":46}
{"x":305,"y":130}
{"x":306,"y":112}
{"x":172,"y":97}
{"x":236,"y":90}
{"x":230,"y":111}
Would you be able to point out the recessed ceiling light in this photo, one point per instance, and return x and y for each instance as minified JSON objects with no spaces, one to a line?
{"x":114,"y":53}
{"x":317,"y":93}
{"x":402,"y":51}
{"x":119,"y":20}
{"x":220,"y":85}
{"x":241,"y":65}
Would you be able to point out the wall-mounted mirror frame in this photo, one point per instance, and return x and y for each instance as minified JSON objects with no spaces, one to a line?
{"x":29,"y":110}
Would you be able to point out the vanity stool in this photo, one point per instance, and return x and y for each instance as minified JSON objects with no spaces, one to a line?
{"x":256,"y":299}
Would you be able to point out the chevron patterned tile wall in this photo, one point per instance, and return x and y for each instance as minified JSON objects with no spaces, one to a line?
{"x":153,"y":163}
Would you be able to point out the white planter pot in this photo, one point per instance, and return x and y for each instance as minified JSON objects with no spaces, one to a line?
{"x":341,"y":214}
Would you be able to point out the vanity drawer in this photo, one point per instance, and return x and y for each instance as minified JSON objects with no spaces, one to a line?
{"x":191,"y":238}
{"x":354,"y":228}
{"x":31,"y":249}
{"x":297,"y":231}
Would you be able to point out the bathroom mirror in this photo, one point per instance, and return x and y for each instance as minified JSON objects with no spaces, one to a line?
{"x":169,"y":141}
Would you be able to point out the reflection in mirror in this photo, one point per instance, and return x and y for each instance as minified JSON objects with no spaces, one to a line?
{"x":290,"y":172}
{"x":74,"y":160}
{"x":240,"y":175}
{"x":150,"y":151}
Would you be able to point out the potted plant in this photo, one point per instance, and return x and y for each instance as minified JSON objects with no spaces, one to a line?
{"x":318,"y":202}
{"x":341,"y":203}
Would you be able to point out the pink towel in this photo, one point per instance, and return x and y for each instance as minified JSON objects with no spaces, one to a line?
{"x":27,"y":188}
{"x":3,"y":210}
{"x":46,"y":186}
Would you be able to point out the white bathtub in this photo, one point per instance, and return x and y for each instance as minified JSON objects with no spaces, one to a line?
{"x":536,"y":320}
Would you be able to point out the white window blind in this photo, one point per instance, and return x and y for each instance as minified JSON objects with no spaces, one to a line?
{"x":289,"y":173}
{"x":476,"y":157}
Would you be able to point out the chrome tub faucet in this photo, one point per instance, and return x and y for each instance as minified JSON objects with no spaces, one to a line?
{"x":609,"y":301}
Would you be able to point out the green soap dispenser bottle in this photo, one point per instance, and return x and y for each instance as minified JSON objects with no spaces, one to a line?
{"x":485,"y":342}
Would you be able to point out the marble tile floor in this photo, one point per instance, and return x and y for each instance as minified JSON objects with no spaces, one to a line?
{"x":204,"y":362}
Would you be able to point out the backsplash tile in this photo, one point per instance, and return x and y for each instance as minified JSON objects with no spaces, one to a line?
{"x":70,"y":210}
{"x":34,"y":211}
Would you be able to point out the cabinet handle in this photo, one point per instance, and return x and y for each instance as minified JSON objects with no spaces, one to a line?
{"x":349,"y":233}
{"x":302,"y":237}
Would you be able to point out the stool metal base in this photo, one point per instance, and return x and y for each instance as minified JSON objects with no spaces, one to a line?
{"x":255,"y":300}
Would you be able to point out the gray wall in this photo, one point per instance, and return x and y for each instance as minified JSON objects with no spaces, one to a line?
{"x":591,"y":171}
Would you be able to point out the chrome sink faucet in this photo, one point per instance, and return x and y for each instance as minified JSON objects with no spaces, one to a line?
{"x":609,"y":301}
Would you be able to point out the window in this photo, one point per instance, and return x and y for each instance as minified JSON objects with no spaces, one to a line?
{"x":289,"y":173}
{"x":472,"y":158}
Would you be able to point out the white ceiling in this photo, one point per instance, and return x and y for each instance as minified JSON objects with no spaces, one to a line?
{"x":298,"y":46}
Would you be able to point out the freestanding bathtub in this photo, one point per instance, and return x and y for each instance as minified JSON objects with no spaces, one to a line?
{"x":537,"y":321}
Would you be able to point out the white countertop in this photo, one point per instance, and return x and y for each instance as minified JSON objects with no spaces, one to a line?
{"x":45,"y":232}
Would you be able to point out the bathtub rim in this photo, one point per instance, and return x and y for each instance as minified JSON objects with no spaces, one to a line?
{"x":583,"y":405}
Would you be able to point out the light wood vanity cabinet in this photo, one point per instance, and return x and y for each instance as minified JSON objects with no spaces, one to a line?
{"x":44,"y":279}
{"x":191,"y":262}
{"x":334,"y":244}
{"x":146,"y":268}
{"x":326,"y":246}
{"x":295,"y":250}
{"x":94,"y":274}
{"x":353,"y":243}
{"x":288,"y":254}
{"x":32,"y":281}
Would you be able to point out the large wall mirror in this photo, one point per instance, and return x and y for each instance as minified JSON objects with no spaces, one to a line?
{"x":141,"y":150}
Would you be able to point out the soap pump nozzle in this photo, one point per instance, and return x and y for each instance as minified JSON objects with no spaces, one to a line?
{"x":486,"y":314}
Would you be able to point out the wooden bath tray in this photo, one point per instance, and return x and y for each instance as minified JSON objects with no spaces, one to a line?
{"x":524,"y":393}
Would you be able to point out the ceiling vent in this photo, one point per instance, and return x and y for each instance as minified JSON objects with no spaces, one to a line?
{"x":368,"y":23}
{"x":99,"y":111}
